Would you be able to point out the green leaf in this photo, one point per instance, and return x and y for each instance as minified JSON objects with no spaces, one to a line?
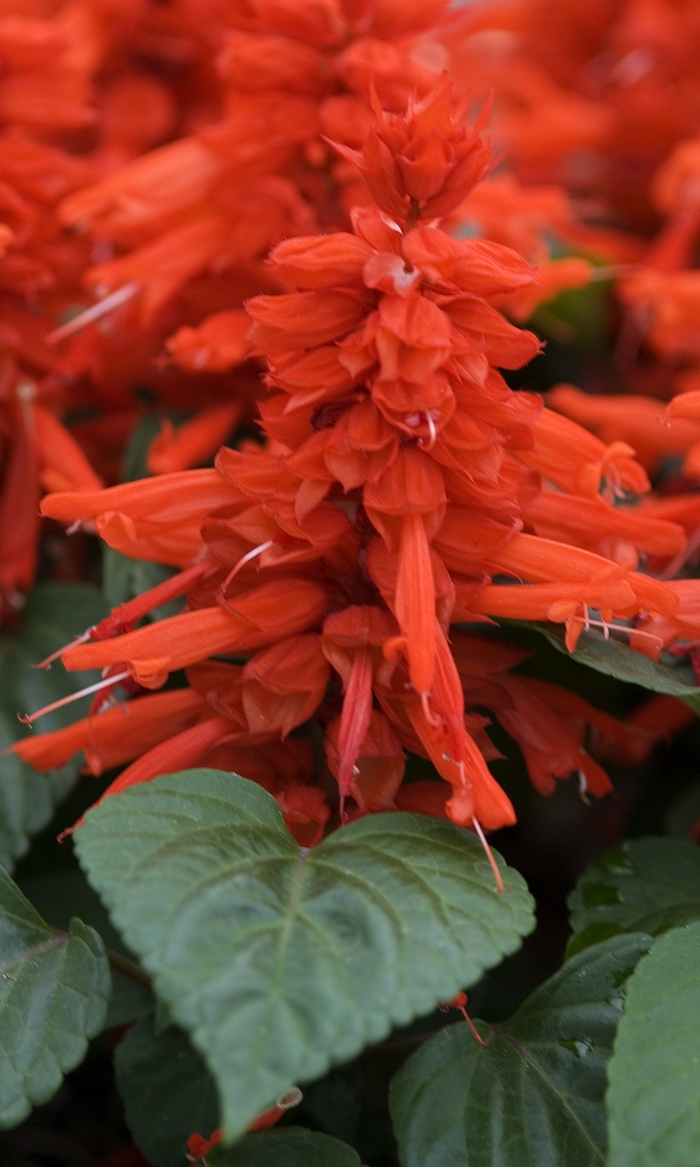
{"x":277,"y":960}
{"x":65,"y":609}
{"x":616,"y":659}
{"x":64,"y":894}
{"x":53,"y":615}
{"x":167,"y":1090}
{"x":534,"y":1096}
{"x":146,"y":429}
{"x":654,"y":1095}
{"x":134,"y":459}
{"x":291,"y":1147}
{"x":128,"y":1003}
{"x":644,"y":885}
{"x":54,"y":988}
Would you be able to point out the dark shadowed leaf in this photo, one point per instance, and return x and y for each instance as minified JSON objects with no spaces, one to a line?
{"x":654,"y":1095}
{"x":54,"y":988}
{"x":167,"y":1090}
{"x":145,"y":430}
{"x":292,"y":1147}
{"x":277,"y":960}
{"x":644,"y":885}
{"x":534,"y":1096}
{"x":616,"y":659}
{"x":64,"y":894}
{"x":53,"y":615}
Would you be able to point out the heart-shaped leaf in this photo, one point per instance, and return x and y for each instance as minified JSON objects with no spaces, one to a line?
{"x":167,"y":1090}
{"x":279,"y":960}
{"x":53,"y":615}
{"x":644,"y":885}
{"x":654,"y":1096}
{"x":54,"y":988}
{"x":292,"y":1147}
{"x":534,"y":1096}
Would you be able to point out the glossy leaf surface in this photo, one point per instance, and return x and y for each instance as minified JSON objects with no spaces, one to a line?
{"x":644,"y":885}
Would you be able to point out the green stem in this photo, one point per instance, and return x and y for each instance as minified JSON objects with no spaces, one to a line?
{"x":129,"y":968}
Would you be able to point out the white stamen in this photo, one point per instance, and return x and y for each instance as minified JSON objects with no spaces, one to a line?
{"x":101,"y":308}
{"x":27,"y":719}
{"x":583,"y":788}
{"x":489,"y":855}
{"x":242,"y":562}
{"x":607,"y":628}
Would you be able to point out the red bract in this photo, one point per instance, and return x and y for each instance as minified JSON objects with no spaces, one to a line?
{"x":423,"y":163}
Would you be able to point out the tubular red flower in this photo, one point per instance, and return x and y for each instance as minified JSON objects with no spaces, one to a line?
{"x":178,"y":752}
{"x":116,"y":736}
{"x":415,"y":603}
{"x":254,"y":619}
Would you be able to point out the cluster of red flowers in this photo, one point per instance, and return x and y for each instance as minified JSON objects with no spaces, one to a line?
{"x":402,"y":486}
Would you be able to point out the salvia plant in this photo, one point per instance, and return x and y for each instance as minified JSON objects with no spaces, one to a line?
{"x":349,"y":530}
